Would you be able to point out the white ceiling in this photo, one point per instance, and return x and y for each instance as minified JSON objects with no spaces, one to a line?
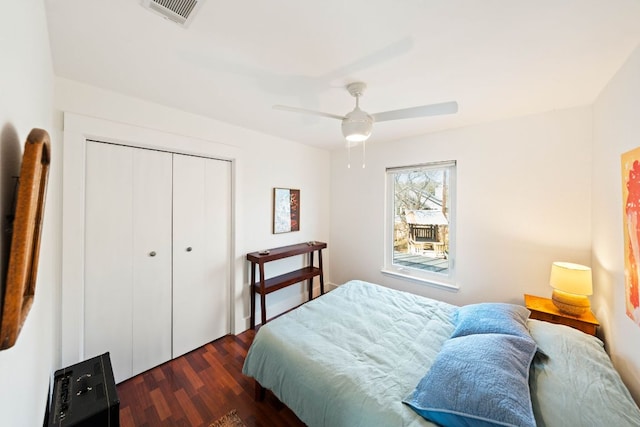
{"x":496,"y":58}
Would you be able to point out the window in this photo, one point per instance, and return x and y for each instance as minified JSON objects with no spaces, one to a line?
{"x":420,"y":241}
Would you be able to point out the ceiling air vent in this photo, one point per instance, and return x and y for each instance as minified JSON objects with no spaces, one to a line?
{"x":179,"y":11}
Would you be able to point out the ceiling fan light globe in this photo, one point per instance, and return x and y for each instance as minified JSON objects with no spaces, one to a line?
{"x":357,"y":137}
{"x":357,"y":125}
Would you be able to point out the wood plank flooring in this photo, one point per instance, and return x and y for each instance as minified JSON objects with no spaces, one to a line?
{"x":198,"y":388}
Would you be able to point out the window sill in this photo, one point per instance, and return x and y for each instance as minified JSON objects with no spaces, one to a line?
{"x":422,"y":280}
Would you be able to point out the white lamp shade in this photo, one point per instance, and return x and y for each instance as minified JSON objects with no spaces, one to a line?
{"x":572,"y":278}
{"x":357,"y":125}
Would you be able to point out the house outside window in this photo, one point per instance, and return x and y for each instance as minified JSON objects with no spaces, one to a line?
{"x":420,"y":221}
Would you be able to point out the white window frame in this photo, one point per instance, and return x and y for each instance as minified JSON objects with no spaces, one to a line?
{"x":440,"y":280}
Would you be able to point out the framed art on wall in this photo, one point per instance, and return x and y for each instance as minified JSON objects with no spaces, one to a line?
{"x":286,"y":210}
{"x":631,"y":223}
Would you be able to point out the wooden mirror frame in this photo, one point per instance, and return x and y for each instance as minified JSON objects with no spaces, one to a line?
{"x":25,"y":242}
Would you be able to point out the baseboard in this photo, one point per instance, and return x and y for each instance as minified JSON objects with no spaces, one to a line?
{"x":329,"y":287}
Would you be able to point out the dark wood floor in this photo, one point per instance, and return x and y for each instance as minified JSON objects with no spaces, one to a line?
{"x":198,"y":388}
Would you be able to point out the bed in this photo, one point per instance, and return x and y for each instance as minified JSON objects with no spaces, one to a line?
{"x":367,"y":355}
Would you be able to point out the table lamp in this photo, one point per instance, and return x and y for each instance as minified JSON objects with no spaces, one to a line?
{"x":571,"y":284}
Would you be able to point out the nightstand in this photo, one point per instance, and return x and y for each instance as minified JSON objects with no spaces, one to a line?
{"x":543,"y":309}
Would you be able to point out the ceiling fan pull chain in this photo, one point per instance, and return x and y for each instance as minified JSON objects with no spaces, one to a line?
{"x":348,"y":155}
{"x":364,"y":153}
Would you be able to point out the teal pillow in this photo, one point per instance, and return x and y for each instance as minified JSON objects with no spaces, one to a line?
{"x":478,"y":380}
{"x":491,"y":318}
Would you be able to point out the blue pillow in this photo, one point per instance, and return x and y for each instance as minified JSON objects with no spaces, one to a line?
{"x":478,"y":380}
{"x":491,"y":318}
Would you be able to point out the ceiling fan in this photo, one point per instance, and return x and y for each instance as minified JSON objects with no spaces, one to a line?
{"x":357,"y":125}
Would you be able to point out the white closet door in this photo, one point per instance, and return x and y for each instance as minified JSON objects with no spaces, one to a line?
{"x":108,"y":255}
{"x":201,"y":219}
{"x":127,"y":290}
{"x":151,"y":259}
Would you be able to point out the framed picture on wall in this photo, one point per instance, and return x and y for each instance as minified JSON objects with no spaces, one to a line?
{"x":286,"y":210}
{"x":631,"y":222}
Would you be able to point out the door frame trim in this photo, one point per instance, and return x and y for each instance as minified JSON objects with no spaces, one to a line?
{"x":77,"y":130}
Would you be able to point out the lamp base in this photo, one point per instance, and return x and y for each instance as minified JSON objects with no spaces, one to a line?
{"x":575,"y":305}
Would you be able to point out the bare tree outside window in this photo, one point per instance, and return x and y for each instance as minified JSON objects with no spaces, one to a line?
{"x":422,"y":217}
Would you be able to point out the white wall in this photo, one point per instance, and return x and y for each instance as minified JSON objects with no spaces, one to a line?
{"x":261,"y":162}
{"x":26,"y":85}
{"x":523,"y":201}
{"x":524,"y":197}
{"x":616,"y":131}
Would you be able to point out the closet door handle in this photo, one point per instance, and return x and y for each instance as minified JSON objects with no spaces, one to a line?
{"x":152,"y":253}
{"x":189,"y":249}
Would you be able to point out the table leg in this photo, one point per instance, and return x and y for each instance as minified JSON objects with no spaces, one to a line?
{"x":263,"y":299}
{"x":321,"y":272}
{"x":252,"y":289}
{"x":310,"y":280}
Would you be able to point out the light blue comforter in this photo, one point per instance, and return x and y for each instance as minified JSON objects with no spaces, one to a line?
{"x":333,"y":369}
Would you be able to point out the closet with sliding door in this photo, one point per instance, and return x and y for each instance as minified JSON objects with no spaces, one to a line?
{"x":157,"y":275}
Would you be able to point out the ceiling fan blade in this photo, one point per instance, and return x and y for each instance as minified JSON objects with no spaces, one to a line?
{"x":304,"y":111}
{"x":386,"y":53}
{"x":421,"y":111}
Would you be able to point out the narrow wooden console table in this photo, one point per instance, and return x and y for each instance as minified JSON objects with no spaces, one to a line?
{"x":266,"y":286}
